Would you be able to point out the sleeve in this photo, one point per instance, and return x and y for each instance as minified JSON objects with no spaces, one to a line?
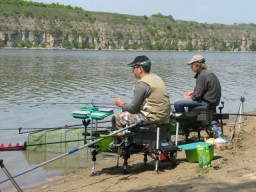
{"x":141,"y":92}
{"x":200,"y":88}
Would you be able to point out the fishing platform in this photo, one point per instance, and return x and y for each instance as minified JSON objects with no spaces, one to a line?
{"x":147,"y":139}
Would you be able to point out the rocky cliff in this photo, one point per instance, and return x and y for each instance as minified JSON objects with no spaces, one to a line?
{"x":36,"y":25}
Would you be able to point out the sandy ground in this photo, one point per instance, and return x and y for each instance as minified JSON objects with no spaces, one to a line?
{"x":233,"y":169}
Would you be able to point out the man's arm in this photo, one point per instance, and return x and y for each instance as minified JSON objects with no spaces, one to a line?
{"x":141,"y":92}
{"x":199,"y":89}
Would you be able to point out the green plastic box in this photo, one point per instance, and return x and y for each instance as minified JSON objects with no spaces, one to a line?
{"x":191,"y":150}
{"x":92,"y":112}
{"x":80,"y":114}
{"x":89,"y":109}
{"x":99,"y":115}
{"x":103,"y":145}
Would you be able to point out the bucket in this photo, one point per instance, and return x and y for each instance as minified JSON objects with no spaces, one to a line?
{"x":191,"y":150}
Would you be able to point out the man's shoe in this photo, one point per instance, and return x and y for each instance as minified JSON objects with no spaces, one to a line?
{"x":220,"y":140}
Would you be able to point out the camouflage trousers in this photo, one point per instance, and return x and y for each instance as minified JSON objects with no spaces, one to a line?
{"x":122,"y":119}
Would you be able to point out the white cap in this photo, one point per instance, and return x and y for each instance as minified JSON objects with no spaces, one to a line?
{"x":196,"y":58}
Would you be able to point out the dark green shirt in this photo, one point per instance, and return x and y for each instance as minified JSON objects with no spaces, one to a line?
{"x":207,"y":88}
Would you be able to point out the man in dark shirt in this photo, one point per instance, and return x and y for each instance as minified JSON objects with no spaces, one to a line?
{"x":207,"y":91}
{"x":151,"y":101}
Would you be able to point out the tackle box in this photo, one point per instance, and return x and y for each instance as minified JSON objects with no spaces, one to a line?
{"x":92,"y":112}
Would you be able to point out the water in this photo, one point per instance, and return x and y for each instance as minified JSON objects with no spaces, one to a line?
{"x":38,"y":76}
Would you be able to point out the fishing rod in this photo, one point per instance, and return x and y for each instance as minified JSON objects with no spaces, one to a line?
{"x":76,"y":125}
{"x":8,"y":174}
{"x":65,"y":103}
{"x":241,"y":114}
{"x":64,"y":127}
{"x":221,"y":114}
{"x":57,"y":142}
{"x":72,"y":151}
{"x":48,"y":128}
{"x":21,"y":128}
{"x":208,"y":111}
{"x":25,"y":145}
{"x":98,"y":105}
{"x":109,"y":105}
{"x":71,"y":128}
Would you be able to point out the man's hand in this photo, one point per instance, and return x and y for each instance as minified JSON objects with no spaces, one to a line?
{"x":119,"y":102}
{"x":188,"y":95}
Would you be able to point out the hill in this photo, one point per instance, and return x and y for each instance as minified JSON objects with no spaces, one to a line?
{"x":32,"y":24}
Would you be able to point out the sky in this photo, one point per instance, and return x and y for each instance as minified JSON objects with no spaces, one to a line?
{"x":203,"y":11}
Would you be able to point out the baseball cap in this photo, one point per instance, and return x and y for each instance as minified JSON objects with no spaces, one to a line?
{"x":196,"y":58}
{"x":140,"y":61}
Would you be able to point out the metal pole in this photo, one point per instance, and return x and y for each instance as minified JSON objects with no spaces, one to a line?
{"x":157,"y":148}
{"x":117,"y":162}
{"x":240,"y":116}
{"x":241,"y":112}
{"x":85,"y":130}
{"x":91,"y":128}
{"x":242,"y":109}
{"x":7,"y":173}
{"x":221,"y":120}
{"x":71,"y":151}
{"x":177,"y":133}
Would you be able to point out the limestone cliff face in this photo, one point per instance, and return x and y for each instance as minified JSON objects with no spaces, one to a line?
{"x":100,"y":34}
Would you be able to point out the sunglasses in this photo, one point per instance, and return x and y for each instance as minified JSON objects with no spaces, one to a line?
{"x":137,"y":66}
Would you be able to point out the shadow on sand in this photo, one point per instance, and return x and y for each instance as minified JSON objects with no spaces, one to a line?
{"x":202,"y":185}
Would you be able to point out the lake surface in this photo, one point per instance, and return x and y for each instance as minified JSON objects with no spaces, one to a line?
{"x":51,"y":76}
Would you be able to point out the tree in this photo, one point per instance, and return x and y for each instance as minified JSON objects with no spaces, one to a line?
{"x":189,"y":46}
{"x":253,"y":46}
{"x":171,"y":17}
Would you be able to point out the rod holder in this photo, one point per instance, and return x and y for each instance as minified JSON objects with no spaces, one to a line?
{"x":8,"y":174}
